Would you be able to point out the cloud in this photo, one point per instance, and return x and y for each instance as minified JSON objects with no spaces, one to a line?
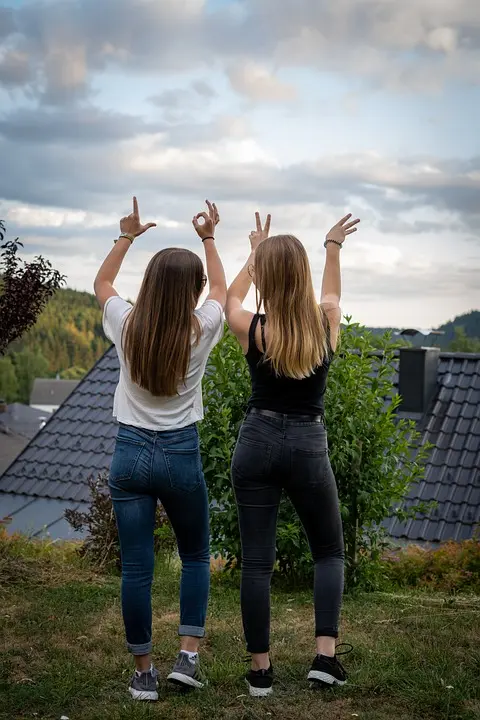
{"x":257,"y":83}
{"x":416,"y":44}
{"x":80,"y":126}
{"x":14,"y":69}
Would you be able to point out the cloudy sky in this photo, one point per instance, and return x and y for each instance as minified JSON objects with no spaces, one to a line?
{"x":303,"y":108}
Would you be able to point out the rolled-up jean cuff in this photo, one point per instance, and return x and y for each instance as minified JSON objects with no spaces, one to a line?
{"x":144,"y":649}
{"x":192,"y":631}
{"x":326,"y":632}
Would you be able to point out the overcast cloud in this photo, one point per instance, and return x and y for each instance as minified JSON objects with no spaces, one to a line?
{"x":301,"y":108}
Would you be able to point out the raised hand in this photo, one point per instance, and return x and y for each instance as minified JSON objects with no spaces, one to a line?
{"x":131,"y":224}
{"x":339,"y":232}
{"x":260,"y":234}
{"x":206,"y":229}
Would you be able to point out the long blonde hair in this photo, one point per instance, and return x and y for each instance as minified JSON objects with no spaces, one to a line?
{"x":157,"y":336}
{"x":297,"y":329}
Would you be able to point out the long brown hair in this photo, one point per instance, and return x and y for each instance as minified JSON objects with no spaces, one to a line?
{"x":157,"y":336}
{"x":296,"y":338}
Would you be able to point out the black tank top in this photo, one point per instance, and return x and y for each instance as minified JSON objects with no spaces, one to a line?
{"x":283,"y":394}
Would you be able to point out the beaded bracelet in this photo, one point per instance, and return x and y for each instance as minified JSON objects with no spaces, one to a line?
{"x":335,"y":242}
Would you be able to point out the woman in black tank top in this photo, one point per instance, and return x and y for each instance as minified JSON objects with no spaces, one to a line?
{"x":282,"y":444}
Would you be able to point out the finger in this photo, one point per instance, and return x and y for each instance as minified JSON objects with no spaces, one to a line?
{"x":349,"y":232}
{"x":217,"y":215}
{"x":344,"y":219}
{"x":202,"y":215}
{"x":210,"y":208}
{"x":148,"y":226}
{"x":135,"y":206}
{"x":351,"y":224}
{"x":257,"y":220}
{"x":267,"y":224}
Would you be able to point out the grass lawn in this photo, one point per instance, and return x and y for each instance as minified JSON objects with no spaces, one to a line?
{"x":62,"y":652}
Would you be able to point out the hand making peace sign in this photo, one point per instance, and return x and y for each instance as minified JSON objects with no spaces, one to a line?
{"x":260,"y":234}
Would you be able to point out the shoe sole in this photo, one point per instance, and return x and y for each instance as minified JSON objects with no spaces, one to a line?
{"x":324,"y":678}
{"x":185,"y":680}
{"x":259,"y":692}
{"x":148,"y":695}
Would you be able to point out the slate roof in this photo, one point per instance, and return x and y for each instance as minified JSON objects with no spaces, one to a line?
{"x":11,"y":445}
{"x":51,"y":392}
{"x":452,"y":477}
{"x":78,"y":441}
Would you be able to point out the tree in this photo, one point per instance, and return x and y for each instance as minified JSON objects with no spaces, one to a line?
{"x":374,"y":455}
{"x":8,"y":380}
{"x":73,"y":373}
{"x":26,"y":289}
{"x":463,"y":343}
{"x":28,"y":366}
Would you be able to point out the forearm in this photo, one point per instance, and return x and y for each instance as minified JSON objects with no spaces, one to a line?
{"x":332,"y":283}
{"x":241,"y":285}
{"x":215,"y":272}
{"x":113,"y":262}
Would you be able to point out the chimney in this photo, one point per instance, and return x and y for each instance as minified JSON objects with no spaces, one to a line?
{"x":418,"y":378}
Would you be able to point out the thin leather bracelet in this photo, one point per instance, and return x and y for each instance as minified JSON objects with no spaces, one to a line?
{"x":126,"y":235}
{"x":335,"y":242}
{"x":210,"y":237}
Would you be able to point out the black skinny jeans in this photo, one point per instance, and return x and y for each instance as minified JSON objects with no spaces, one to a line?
{"x":272,"y":455}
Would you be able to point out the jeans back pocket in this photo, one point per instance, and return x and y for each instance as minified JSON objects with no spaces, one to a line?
{"x":184,"y":468}
{"x":125,"y":458}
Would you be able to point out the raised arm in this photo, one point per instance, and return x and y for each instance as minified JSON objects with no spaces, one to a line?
{"x":238,"y":318}
{"x":130,"y":228}
{"x":331,"y":282}
{"x":215,"y":273}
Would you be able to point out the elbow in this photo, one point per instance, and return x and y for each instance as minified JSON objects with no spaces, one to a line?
{"x":219,"y":293}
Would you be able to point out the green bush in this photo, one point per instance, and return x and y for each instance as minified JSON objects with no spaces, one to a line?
{"x":452,"y":567}
{"x":374,"y":455}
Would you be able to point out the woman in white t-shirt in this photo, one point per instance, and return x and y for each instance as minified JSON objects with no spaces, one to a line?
{"x":163,"y":345}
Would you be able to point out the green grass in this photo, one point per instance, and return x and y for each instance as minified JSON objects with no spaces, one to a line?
{"x":62,"y":651}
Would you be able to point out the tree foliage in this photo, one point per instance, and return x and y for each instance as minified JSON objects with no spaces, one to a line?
{"x":26,"y":289}
{"x":374,"y":455}
{"x":462,"y":343}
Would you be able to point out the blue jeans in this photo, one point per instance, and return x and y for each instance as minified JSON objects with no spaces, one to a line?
{"x":148,"y":466}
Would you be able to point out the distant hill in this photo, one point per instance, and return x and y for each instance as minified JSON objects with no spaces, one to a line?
{"x":470,"y":322}
{"x":68,"y":334}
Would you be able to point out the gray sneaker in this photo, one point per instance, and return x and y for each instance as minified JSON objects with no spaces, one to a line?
{"x":187,"y":672}
{"x":145,"y":685}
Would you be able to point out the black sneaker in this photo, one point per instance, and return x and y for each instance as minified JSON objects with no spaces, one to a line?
{"x":260,"y":682}
{"x":144,"y":686}
{"x":329,"y":670}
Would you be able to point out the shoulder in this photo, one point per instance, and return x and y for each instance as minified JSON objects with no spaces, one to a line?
{"x":210,"y":313}
{"x":114,"y":312}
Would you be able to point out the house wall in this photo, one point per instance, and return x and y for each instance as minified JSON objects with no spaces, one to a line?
{"x":46,"y":408}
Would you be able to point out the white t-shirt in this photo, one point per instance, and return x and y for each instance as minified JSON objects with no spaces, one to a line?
{"x":135,"y":406}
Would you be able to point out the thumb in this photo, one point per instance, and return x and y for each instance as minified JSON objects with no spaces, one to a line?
{"x":150,"y":225}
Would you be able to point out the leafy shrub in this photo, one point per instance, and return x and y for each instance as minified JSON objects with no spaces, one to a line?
{"x":452,"y":567}
{"x":374,"y":455}
{"x":25,"y":290}
{"x":226,"y":389}
{"x":101,"y":546}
